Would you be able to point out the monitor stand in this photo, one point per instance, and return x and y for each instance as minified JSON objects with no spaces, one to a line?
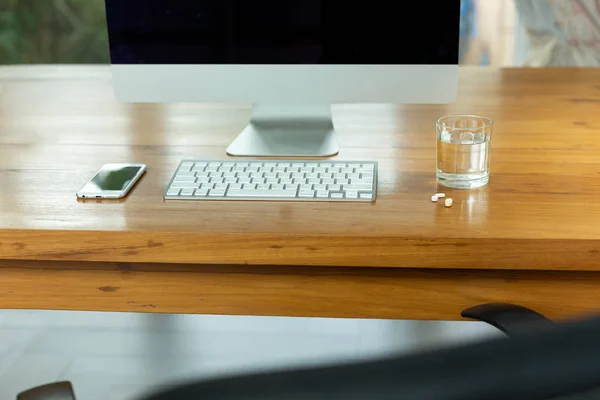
{"x":287,"y":131}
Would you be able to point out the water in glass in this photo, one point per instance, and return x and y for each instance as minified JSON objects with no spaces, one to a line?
{"x":463,"y":159}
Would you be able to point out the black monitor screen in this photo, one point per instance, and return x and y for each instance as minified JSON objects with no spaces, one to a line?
{"x":284,"y":31}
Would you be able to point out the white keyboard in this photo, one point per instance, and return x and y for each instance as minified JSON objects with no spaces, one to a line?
{"x":274,"y":180}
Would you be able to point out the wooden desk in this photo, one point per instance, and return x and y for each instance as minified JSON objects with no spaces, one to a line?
{"x":531,"y":237}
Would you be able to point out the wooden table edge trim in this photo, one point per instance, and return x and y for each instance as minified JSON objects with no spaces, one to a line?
{"x":289,"y":291}
{"x":300,"y":250}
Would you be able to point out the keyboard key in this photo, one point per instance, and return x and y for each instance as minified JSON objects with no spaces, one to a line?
{"x":334,"y":187}
{"x":357,"y":187}
{"x":201,"y":192}
{"x":337,"y":195}
{"x":366,"y":196}
{"x":173,"y":191}
{"x":323,"y":194}
{"x":351,"y":195}
{"x":184,"y":179}
{"x":261,"y":193}
{"x":216,"y":193}
{"x":367,"y":182}
{"x":185,"y":185}
{"x":187,"y":192}
{"x":186,"y":173}
{"x":306,"y":193}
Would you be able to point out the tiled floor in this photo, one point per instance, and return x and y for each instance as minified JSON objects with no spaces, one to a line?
{"x":113,"y":356}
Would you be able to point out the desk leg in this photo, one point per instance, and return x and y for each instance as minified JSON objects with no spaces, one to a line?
{"x":509,"y":318}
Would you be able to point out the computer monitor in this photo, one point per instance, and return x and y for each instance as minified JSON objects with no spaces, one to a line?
{"x":292,"y":59}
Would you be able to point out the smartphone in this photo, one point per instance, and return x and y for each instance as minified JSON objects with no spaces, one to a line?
{"x":112,"y":181}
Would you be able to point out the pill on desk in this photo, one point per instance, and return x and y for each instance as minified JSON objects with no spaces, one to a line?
{"x":448,"y":202}
{"x":434,"y":199}
{"x":440,"y":195}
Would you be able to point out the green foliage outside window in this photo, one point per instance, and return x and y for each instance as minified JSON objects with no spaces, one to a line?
{"x":53,"y":31}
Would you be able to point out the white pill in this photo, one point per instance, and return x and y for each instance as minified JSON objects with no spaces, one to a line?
{"x":448,"y":202}
{"x":434,"y":199}
{"x":440,"y":195}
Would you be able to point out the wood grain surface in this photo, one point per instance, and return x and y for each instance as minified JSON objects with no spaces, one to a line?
{"x":384,"y":293}
{"x":541,"y":209}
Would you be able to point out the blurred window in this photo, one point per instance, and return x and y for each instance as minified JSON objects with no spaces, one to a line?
{"x":53,"y":31}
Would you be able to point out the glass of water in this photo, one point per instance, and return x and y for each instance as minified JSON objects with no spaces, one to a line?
{"x":463,"y":151}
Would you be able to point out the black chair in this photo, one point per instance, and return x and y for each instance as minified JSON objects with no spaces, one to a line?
{"x":542,"y":361}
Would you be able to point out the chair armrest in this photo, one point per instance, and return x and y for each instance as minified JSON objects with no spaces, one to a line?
{"x":509,"y":318}
{"x":54,"y":391}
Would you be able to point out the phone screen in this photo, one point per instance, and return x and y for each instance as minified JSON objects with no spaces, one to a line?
{"x":112,"y":177}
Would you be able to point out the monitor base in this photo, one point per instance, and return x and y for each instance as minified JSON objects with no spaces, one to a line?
{"x":287,"y":131}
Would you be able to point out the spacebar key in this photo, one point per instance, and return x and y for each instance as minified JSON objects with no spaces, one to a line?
{"x":260,"y":193}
